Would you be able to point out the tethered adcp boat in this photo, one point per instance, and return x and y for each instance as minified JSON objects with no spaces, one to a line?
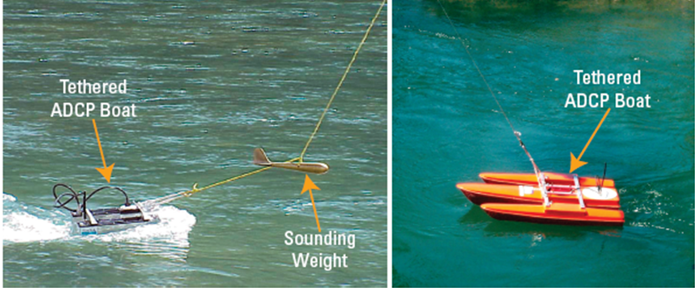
{"x":553,"y":199}
{"x":550,"y":198}
{"x":98,"y":221}
{"x":595,"y":192}
{"x":548,"y":203}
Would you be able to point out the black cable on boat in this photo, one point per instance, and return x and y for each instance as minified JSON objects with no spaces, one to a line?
{"x":127,"y":203}
{"x":600,"y":186}
{"x":73,"y":196}
{"x":76,"y":196}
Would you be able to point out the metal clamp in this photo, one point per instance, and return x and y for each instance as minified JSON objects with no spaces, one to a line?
{"x":578,"y":192}
{"x":543,"y":187}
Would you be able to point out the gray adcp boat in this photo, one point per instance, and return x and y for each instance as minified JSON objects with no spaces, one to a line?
{"x":104,"y":220}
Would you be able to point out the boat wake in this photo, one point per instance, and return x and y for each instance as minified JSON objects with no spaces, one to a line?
{"x":26,"y":223}
{"x":21,"y":223}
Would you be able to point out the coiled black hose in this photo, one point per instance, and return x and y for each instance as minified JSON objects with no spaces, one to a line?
{"x":76,"y":196}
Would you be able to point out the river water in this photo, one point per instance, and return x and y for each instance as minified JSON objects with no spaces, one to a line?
{"x":447,"y":129}
{"x":211,"y":81}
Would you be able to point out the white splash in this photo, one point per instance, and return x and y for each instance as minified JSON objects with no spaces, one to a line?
{"x":8,"y":197}
{"x":24,"y":227}
{"x":21,"y":223}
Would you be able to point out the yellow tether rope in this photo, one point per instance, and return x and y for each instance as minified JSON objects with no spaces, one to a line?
{"x":340,"y":83}
{"x":196,"y":189}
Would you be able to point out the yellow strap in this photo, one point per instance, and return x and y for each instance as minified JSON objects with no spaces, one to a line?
{"x":340,"y":83}
{"x":195,"y":189}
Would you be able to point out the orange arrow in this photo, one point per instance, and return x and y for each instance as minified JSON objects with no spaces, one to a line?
{"x":106,"y":171}
{"x":309,"y":185}
{"x":576,"y":162}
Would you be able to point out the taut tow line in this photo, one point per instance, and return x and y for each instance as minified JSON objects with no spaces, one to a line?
{"x":300,"y":166}
{"x":342,"y":79}
{"x":540,"y":175}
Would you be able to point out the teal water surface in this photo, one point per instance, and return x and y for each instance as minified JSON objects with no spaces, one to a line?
{"x":211,"y":81}
{"x":447,"y":129}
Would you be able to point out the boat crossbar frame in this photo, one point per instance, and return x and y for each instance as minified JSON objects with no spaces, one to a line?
{"x":542,"y":180}
{"x":578,"y":192}
{"x":574,"y":189}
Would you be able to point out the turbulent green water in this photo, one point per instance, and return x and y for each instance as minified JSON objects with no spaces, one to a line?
{"x":447,"y":129}
{"x":211,"y":81}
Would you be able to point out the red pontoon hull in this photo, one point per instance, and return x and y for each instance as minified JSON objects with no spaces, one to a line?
{"x":480,"y":193}
{"x":531,"y":179}
{"x":556,"y":213}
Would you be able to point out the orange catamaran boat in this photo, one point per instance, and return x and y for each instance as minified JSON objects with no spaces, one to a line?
{"x":551,"y":198}
{"x":548,"y":198}
{"x":526,"y":193}
{"x":545,"y":197}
